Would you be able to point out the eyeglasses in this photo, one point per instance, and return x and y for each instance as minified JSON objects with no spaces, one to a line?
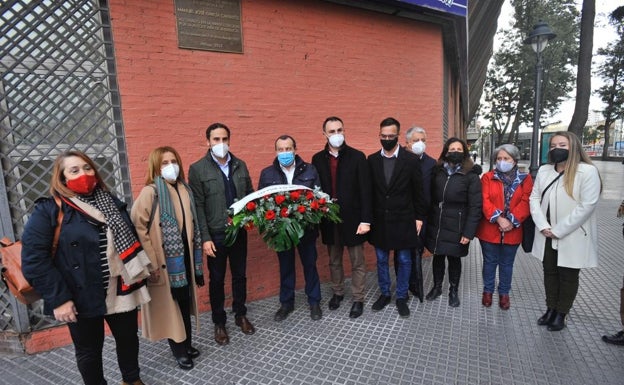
{"x":390,"y":137}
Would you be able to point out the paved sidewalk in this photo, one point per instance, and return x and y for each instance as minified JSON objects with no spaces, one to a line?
{"x":436,"y":345}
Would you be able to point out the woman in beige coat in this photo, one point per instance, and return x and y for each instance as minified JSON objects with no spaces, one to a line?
{"x":563,"y":203}
{"x":164,"y":217}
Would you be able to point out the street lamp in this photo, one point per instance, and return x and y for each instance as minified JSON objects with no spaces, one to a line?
{"x":538,"y":39}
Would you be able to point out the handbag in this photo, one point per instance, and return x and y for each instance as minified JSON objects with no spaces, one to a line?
{"x":528,"y":226}
{"x":11,"y":254}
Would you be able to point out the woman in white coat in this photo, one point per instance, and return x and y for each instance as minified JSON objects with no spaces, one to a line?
{"x":563,"y":202}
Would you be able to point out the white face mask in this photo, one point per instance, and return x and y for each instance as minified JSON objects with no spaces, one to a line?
{"x":418,"y":147}
{"x":220,"y":150}
{"x":504,"y":166}
{"x":170,"y":172}
{"x":336,"y":140}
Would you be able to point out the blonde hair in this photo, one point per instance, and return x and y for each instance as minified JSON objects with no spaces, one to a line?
{"x":576,"y":155}
{"x":154,"y":163}
{"x":58,"y":181}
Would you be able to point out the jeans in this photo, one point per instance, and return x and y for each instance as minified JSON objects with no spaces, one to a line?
{"x":501,"y":256}
{"x":88,"y":337}
{"x":237,"y":254}
{"x":404,"y":257}
{"x":288,"y":273}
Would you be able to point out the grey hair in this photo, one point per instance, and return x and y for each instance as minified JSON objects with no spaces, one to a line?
{"x":412,"y":130}
{"x":508,"y":148}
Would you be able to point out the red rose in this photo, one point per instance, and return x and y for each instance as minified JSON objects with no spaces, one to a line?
{"x":284,"y":212}
{"x":279,"y":199}
{"x":322,"y":201}
{"x":295,"y":195}
{"x":229,"y":221}
{"x":249,"y":225}
{"x":314,"y":205}
{"x":309,"y":195}
{"x":269,"y":215}
{"x":266,"y":197}
{"x":251,"y":206}
{"x":301,"y":209}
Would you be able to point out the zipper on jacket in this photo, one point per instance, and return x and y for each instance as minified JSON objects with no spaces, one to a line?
{"x":441,"y":205}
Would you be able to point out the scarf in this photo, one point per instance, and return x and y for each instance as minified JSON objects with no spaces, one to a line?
{"x":173,"y":244}
{"x":125,"y":241}
{"x":511,"y":180}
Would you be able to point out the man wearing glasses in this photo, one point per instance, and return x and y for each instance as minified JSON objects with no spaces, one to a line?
{"x":398,"y":212}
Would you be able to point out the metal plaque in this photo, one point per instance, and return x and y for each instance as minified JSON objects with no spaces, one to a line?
{"x":210,"y":25}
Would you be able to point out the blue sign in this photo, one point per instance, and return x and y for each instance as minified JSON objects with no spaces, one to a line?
{"x":455,"y":7}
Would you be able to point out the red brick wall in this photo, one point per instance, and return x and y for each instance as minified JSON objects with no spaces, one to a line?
{"x":303,"y":61}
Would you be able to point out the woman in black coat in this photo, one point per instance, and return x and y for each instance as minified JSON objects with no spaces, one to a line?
{"x":454,"y":215}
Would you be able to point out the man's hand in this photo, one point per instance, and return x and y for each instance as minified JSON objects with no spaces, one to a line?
{"x":209,"y":249}
{"x":363,"y":228}
{"x":418,"y":226}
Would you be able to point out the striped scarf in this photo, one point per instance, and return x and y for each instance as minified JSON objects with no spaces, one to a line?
{"x":173,"y":244}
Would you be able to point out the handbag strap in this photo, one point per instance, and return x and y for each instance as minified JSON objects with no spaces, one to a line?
{"x":550,"y":184}
{"x":57,"y":230}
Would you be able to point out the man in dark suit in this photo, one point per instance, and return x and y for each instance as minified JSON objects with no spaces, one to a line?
{"x":344,"y":176}
{"x":398,"y":212}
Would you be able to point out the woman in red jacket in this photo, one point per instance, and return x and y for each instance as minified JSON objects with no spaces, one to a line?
{"x":506,"y":192}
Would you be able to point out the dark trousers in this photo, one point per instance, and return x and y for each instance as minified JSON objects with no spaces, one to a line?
{"x":288,"y":273}
{"x":560,"y":283}
{"x":454,"y":269}
{"x":237,"y":254}
{"x":88,"y":337}
{"x":182,"y":296}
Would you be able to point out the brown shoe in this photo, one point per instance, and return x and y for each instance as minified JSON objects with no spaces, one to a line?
{"x":137,"y":382}
{"x":486,"y":299}
{"x":221,"y":335}
{"x":245,"y":325}
{"x":503,"y":302}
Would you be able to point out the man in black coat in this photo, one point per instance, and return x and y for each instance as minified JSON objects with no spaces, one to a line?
{"x":344,"y":176}
{"x":398,"y":211}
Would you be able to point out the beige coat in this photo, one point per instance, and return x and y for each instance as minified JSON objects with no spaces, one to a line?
{"x":161,"y":317}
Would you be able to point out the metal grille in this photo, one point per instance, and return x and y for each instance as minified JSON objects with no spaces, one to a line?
{"x":58,"y":91}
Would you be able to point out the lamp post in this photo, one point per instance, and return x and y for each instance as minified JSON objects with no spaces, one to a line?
{"x":538,"y":39}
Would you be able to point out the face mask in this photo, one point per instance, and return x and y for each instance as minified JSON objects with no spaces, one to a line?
{"x":454,"y":157}
{"x":389,"y":144}
{"x":336,"y":140}
{"x":418,"y":147}
{"x":286,"y":158}
{"x":558,"y":155}
{"x":83,"y":185}
{"x":220,"y":150}
{"x":170,"y":172}
{"x":504,"y":166}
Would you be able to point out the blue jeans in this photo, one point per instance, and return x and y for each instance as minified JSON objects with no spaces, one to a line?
{"x":288,"y":274}
{"x":404,"y":258}
{"x":501,"y":256}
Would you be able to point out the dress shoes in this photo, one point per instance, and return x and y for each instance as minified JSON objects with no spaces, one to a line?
{"x":185,"y":362}
{"x":220,"y":335}
{"x":334,"y":302}
{"x":558,"y":323}
{"x":616,"y":339}
{"x":246,"y":327}
{"x":192,"y":352}
{"x":282,"y":313}
{"x":547,"y":317}
{"x":381,"y":302}
{"x":402,"y":308}
{"x":356,"y":309}
{"x":315,"y":312}
{"x":503,"y":301}
{"x":137,"y":382}
{"x":486,"y":299}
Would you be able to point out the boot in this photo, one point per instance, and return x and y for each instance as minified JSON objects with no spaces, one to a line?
{"x":454,"y":275}
{"x":547,"y":318}
{"x":453,"y":296}
{"x":435,"y":291}
{"x":438,"y":266}
{"x":558,"y":323}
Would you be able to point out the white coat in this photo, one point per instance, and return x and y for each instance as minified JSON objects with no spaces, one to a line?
{"x":572,"y":219}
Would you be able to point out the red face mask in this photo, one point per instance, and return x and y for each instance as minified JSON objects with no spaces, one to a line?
{"x":83,"y":185}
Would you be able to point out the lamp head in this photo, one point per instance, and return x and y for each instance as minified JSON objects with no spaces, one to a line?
{"x":540,"y":36}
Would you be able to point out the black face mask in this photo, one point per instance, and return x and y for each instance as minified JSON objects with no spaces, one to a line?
{"x":558,"y":155}
{"x":454,"y":157}
{"x":389,"y":144}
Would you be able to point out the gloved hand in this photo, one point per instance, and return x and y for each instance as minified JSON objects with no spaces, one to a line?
{"x":199,"y":281}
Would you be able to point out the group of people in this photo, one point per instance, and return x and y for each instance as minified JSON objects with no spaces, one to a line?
{"x":399,"y":199}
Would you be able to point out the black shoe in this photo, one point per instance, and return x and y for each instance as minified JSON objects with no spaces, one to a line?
{"x":547,"y":318}
{"x":558,"y":323}
{"x":453,"y":297}
{"x":334,"y":302}
{"x":435,"y":292}
{"x":356,"y":309}
{"x":381,"y":302}
{"x":315,"y":312}
{"x":282,"y":313}
{"x":413,"y":288}
{"x":401,"y":304}
{"x":192,"y":352}
{"x":185,"y":362}
{"x":616,"y":339}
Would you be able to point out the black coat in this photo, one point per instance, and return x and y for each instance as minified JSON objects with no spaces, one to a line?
{"x":353,"y":193}
{"x":397,"y":205}
{"x":455,"y":209}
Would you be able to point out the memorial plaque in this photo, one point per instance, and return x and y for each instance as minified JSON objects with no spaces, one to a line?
{"x":211,"y":25}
